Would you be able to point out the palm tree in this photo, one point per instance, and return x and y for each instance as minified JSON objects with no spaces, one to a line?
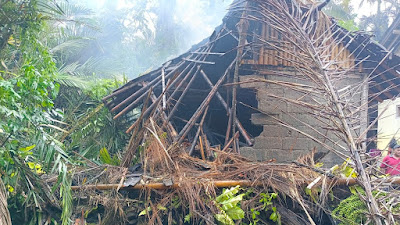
{"x":380,"y":21}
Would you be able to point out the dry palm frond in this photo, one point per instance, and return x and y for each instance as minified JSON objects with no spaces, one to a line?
{"x":315,"y":40}
{"x":5,"y":217}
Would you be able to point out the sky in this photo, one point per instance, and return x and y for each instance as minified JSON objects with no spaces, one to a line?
{"x":192,"y":16}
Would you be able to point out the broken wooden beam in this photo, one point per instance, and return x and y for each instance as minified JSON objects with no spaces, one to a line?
{"x":230,"y":141}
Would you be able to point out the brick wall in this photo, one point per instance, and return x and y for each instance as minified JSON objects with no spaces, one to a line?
{"x":275,"y":102}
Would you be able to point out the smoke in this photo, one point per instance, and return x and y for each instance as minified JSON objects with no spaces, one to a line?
{"x":201,"y":17}
{"x":139,"y":35}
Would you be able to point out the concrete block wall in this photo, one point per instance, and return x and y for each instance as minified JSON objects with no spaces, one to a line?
{"x":275,"y":102}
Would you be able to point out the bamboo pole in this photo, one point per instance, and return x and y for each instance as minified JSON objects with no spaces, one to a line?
{"x":206,"y":143}
{"x":228,"y":126}
{"x":230,"y":141}
{"x":123,"y":89}
{"x":173,"y":110}
{"x":216,"y":183}
{"x":284,"y":53}
{"x":180,"y":84}
{"x":137,"y":134}
{"x":151,"y":107}
{"x":201,"y":147}
{"x":364,"y":178}
{"x":171,"y":113}
{"x":132,"y":105}
{"x":190,"y":123}
{"x":144,"y":114}
{"x":161,"y":186}
{"x":137,"y":101}
{"x":198,"y":132}
{"x":164,"y":100}
{"x":274,"y":51}
{"x":199,"y":61}
{"x":242,"y":28}
{"x":228,"y":110}
{"x":156,"y":81}
{"x":164,"y":116}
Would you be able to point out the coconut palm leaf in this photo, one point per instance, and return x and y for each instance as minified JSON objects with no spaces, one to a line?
{"x":72,"y":81}
{"x":70,"y":46}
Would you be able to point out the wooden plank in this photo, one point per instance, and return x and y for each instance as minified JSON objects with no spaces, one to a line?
{"x":262,"y":35}
{"x":198,"y":61}
{"x":268,"y":51}
{"x":273,"y":51}
{"x":209,"y":53}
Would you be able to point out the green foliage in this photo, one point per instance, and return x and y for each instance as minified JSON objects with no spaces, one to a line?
{"x":229,"y":205}
{"x":90,"y":126}
{"x":30,"y":137}
{"x":27,"y":90}
{"x":348,"y":25}
{"x":266,"y":199}
{"x":65,"y":194}
{"x":106,"y":158}
{"x":24,"y":98}
{"x":340,"y":9}
{"x":52,"y":54}
{"x":187,"y":218}
{"x":145,"y":211}
{"x":344,"y":170}
{"x":351,"y":211}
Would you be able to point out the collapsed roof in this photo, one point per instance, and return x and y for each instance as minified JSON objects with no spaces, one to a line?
{"x":184,"y":89}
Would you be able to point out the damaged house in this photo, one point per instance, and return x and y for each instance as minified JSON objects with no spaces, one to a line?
{"x":389,"y":110}
{"x":276,"y":80}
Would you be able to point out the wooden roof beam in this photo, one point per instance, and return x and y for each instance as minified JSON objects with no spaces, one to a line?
{"x":395,"y":86}
{"x":383,"y":91}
